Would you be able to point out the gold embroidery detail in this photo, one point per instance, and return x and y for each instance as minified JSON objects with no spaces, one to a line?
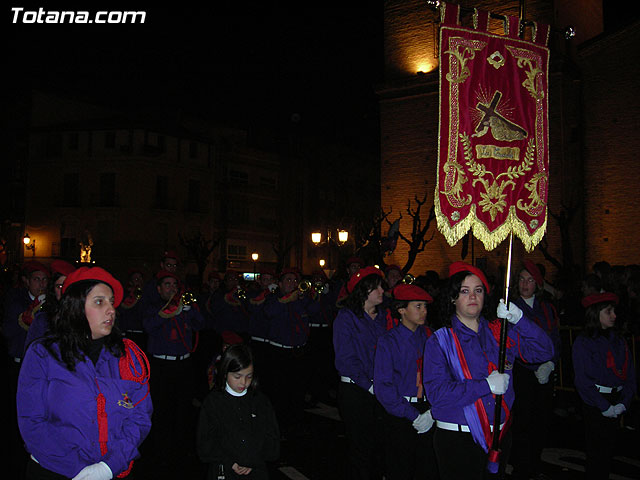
{"x":468,"y":53}
{"x":496,"y":60}
{"x":533,"y":82}
{"x":493,"y":197}
{"x":455,"y":172}
{"x":455,"y":216}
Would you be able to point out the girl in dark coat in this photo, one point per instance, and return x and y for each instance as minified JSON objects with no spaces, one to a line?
{"x":237,"y":430}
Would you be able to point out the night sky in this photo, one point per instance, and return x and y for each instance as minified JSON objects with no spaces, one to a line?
{"x":250,"y":66}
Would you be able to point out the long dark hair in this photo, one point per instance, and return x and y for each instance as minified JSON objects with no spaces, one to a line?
{"x":451,"y":292}
{"x":235,"y":358}
{"x":592,"y":327}
{"x":71,"y":329}
{"x":51,"y":304}
{"x":355,"y":300}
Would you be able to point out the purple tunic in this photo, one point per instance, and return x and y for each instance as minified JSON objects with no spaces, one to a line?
{"x":38,"y":328}
{"x":396,"y":369}
{"x":590,"y":366}
{"x":354,"y":342}
{"x":448,"y":396}
{"x":288,"y":318}
{"x":16,"y":302}
{"x":171,"y":336}
{"x":546,"y":317}
{"x":57,"y":412}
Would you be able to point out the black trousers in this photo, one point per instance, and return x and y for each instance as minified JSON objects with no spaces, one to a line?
{"x":35,"y":471}
{"x":408,"y":455}
{"x":460,"y":458}
{"x":600,"y":439}
{"x":173,"y":429}
{"x":532,"y":412}
{"x":362,"y":415}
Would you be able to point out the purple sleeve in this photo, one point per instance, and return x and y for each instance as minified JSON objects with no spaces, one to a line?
{"x":533,"y":345}
{"x":446,"y":394}
{"x":384,"y":387}
{"x":347,"y":361}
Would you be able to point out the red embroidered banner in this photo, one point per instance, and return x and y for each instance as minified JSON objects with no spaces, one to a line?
{"x":493,"y":157}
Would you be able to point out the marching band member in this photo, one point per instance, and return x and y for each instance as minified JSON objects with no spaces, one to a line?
{"x":605,"y":379}
{"x":461,"y":376}
{"x":131,"y":308}
{"x":532,"y":382}
{"x":397,"y":381}
{"x":172,"y":327}
{"x":356,"y":330}
{"x":49,"y":307}
{"x":83,"y":399}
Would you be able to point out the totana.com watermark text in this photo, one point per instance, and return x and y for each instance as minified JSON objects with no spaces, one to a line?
{"x":20,"y":15}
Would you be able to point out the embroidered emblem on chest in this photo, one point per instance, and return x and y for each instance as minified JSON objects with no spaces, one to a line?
{"x":126,"y":401}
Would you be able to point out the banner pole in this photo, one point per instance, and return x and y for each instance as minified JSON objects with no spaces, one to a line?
{"x":495,"y":445}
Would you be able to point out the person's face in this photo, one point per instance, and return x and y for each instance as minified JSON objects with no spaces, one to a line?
{"x":414,"y":314}
{"x":352,"y":268}
{"x":58,"y":287}
{"x":470,"y":298}
{"x":393,"y":277}
{"x":607,"y":317}
{"x":241,"y":380}
{"x":137,"y":280}
{"x":288,"y":283}
{"x":99,"y":310}
{"x":169,"y":264}
{"x":37,"y":283}
{"x":526,"y":284}
{"x":266,"y":279}
{"x":168,"y":288}
{"x":214,"y":284}
{"x":374,"y":297}
{"x":230,"y":282}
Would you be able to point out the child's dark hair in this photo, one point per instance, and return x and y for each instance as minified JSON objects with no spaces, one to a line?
{"x":592,"y":326}
{"x":235,"y":358}
{"x":355,"y":300}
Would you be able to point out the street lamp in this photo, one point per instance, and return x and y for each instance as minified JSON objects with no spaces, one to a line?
{"x":343,"y":236}
{"x":322,"y":263}
{"x":254,"y":257}
{"x":29,"y":244}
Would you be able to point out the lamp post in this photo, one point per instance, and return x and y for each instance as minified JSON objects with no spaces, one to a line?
{"x":29,"y":244}
{"x":330,"y":237}
{"x":254,"y":257}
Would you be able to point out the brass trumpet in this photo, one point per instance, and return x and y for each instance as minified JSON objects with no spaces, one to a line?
{"x":304,"y":286}
{"x":188,"y":298}
{"x":137,"y":292}
{"x":408,"y":279}
{"x":241,"y":293}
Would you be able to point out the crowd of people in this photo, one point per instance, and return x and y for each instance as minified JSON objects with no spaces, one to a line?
{"x":101,"y":375}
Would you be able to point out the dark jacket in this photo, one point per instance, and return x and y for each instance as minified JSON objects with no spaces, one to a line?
{"x":240,"y":430}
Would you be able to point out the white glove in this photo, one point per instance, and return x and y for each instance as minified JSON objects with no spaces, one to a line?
{"x":97,"y":471}
{"x":186,"y":308}
{"x":371,"y":389}
{"x":498,"y":382}
{"x":513,"y":314}
{"x":41,"y":297}
{"x":272,"y":287}
{"x":610,"y":412}
{"x":543,"y":371}
{"x":423,"y":422}
{"x":619,"y":409}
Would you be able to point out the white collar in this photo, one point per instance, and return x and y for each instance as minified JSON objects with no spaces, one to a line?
{"x":232,"y":392}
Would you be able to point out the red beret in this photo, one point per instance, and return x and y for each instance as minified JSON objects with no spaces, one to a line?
{"x":214,"y":274}
{"x":292,"y":270}
{"x":360,"y":274}
{"x":533,"y":269}
{"x":357,"y":260}
{"x":600,"y":298}
{"x":134,"y":270}
{"x":392,"y":267}
{"x":170,"y":254}
{"x":410,"y":293}
{"x":34,"y":266}
{"x":164,"y":274}
{"x":319,"y":273}
{"x":95,"y":273}
{"x":231,"y":338}
{"x":62,"y":267}
{"x":457,"y":267}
